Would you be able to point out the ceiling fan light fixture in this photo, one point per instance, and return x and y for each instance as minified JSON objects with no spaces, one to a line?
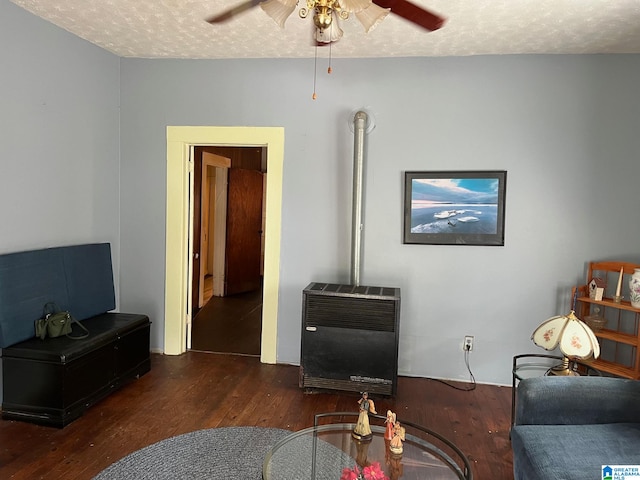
{"x":329,"y":35}
{"x":323,"y":16}
{"x":353,"y":6}
{"x":371,"y":16}
{"x":279,"y":10}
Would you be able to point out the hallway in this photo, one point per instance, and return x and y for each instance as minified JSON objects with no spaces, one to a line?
{"x":230,"y":324}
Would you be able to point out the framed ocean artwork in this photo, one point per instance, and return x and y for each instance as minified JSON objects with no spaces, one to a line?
{"x":454,"y":207}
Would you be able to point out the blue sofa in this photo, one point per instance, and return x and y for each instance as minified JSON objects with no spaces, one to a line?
{"x":53,"y":381}
{"x":570,"y":428}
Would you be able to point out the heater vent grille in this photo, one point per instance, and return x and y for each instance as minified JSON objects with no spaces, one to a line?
{"x":355,"y":290}
{"x":346,"y":312}
{"x":309,"y":381}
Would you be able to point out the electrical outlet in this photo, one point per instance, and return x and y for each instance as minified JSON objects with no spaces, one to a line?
{"x":467,"y":346}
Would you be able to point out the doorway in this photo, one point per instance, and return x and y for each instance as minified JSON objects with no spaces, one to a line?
{"x":180,"y":140}
{"x":228,"y":248}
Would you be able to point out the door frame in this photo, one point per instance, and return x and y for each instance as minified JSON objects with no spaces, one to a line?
{"x":180,"y":139}
{"x":221,"y":165}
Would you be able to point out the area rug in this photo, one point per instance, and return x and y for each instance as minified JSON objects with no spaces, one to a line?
{"x":232,"y":452}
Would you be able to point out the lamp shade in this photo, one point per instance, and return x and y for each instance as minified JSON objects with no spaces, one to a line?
{"x":573,"y":337}
{"x":279,"y":10}
{"x":353,"y":6}
{"x":371,"y":16}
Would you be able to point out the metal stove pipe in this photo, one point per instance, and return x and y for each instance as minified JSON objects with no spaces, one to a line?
{"x":357,"y":226}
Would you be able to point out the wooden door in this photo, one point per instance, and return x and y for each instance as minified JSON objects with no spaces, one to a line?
{"x":244,"y":230}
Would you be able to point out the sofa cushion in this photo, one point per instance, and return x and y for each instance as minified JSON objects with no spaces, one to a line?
{"x":573,"y":452}
{"x":577,"y":400}
{"x":77,"y":278}
{"x":89,"y":276}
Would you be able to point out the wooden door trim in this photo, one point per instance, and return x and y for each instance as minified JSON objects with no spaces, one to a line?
{"x":221,"y":164}
{"x":179,"y":140}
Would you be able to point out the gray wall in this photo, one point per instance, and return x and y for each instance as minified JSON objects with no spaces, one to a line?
{"x":564,"y":127}
{"x":60,"y":138}
{"x":60,"y":148}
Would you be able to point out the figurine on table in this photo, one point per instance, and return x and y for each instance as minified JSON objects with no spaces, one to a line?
{"x":398,"y":437}
{"x":390,"y":421}
{"x":362,"y":431}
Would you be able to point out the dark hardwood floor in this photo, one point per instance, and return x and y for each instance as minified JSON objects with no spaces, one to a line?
{"x":230,"y":324}
{"x":203,"y":390}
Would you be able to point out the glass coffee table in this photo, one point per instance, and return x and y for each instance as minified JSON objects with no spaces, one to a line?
{"x":322,"y":452}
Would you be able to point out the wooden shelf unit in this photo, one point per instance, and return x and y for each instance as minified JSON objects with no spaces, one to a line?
{"x":610,"y":271}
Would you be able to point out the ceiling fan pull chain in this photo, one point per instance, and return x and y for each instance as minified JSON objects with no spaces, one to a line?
{"x":329,"y":70}
{"x":315,"y":72}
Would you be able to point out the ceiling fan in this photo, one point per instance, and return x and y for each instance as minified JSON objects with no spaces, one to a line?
{"x":326,"y":13}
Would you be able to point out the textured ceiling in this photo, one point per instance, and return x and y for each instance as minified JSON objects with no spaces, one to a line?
{"x":177,"y":29}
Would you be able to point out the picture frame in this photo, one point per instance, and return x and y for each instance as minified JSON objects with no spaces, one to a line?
{"x":454,"y":207}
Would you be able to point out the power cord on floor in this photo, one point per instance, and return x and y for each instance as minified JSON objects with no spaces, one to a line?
{"x":472,"y":379}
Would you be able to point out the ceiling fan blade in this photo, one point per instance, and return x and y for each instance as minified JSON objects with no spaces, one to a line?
{"x":413,"y":13}
{"x":232,"y":12}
